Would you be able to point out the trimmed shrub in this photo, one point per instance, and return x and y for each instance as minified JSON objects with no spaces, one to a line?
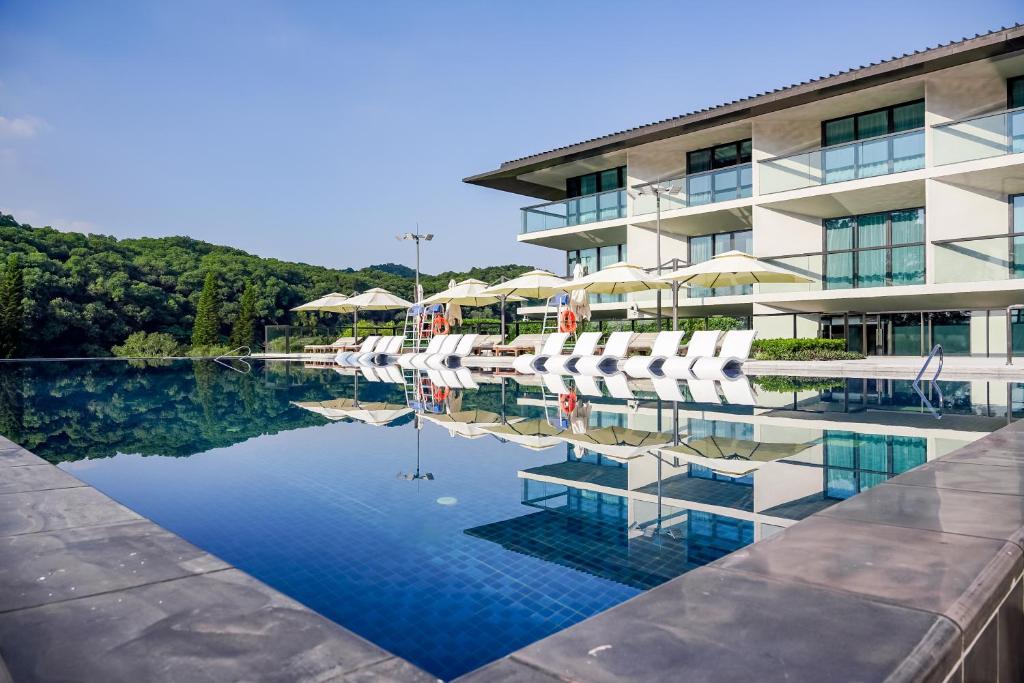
{"x":787,"y":385}
{"x":148,"y":345}
{"x":811,"y":348}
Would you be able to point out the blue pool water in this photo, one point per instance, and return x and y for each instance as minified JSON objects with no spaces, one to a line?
{"x":452,"y":551}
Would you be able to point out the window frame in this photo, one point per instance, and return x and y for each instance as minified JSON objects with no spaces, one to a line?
{"x":578,"y":181}
{"x":887,"y":247}
{"x":1009,"y":91}
{"x":889,"y":125}
{"x":737,"y":146}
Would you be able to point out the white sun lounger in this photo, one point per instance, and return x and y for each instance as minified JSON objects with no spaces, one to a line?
{"x":369,"y":373}
{"x":391,"y":373}
{"x":586,"y":385}
{"x":555,"y":383}
{"x":441,"y":361}
{"x":530,"y":363}
{"x":607,"y":363}
{"x":345,"y":357}
{"x":385,"y":350}
{"x":463,"y":376}
{"x":586,"y":345}
{"x":448,"y":345}
{"x":666,"y":345}
{"x":737,"y":391}
{"x":735,"y":350}
{"x":433,"y":346}
{"x":701,"y":344}
{"x":668,"y":389}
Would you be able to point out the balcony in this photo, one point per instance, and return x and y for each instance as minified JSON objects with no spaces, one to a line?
{"x":591,"y":208}
{"x":878,"y":156}
{"x":696,"y":189}
{"x":980,"y":259}
{"x":979,"y":137}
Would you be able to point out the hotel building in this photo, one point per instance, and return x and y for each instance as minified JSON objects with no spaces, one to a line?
{"x":898,"y":187}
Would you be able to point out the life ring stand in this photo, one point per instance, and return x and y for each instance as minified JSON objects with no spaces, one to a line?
{"x":440,"y":325}
{"x":567,"y":403}
{"x":567,"y":321}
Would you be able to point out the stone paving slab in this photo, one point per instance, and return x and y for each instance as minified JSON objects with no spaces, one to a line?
{"x":961,"y":577}
{"x":393,"y":670}
{"x":720,"y":625}
{"x":965,"y":476}
{"x":42,"y":568}
{"x":987,"y":515}
{"x":14,"y":457}
{"x":32,"y":511}
{"x":35,"y":478}
{"x":221,"y":626}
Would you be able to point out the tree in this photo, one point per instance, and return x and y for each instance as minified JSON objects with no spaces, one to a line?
{"x":206,"y":328}
{"x":148,"y":345}
{"x":12,"y":311}
{"x":243,"y":331}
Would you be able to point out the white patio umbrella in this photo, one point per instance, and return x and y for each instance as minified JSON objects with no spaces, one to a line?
{"x":452,"y":310}
{"x":734,"y":268}
{"x":579,"y":299}
{"x":467,"y":293}
{"x":618,"y":278}
{"x":535,"y":284}
{"x":378,"y":413}
{"x":335,"y":409}
{"x":376,"y":299}
{"x":621,"y":442}
{"x":536,"y":434}
{"x":334,"y":302}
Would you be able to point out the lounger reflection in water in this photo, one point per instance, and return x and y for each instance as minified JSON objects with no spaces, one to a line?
{"x":607,"y":363}
{"x":343,"y":357}
{"x":702,"y":344}
{"x":586,"y":345}
{"x":729,"y":361}
{"x":529,"y":362}
{"x":433,"y":346}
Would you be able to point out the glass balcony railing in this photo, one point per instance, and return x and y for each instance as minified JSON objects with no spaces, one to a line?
{"x":877,"y":156}
{"x":980,"y":259}
{"x":590,"y":208}
{"x":979,"y":137}
{"x":723,"y":184}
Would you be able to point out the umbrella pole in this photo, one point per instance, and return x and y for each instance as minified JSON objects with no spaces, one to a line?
{"x":675,"y":306}
{"x":503,"y":325}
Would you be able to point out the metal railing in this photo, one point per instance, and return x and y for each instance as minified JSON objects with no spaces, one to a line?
{"x":696,"y":189}
{"x":591,"y":208}
{"x":981,"y":258}
{"x":978,"y":137}
{"x":881,"y":155}
{"x":933,"y":383}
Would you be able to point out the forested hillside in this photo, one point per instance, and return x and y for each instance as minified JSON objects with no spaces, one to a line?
{"x":85,"y":293}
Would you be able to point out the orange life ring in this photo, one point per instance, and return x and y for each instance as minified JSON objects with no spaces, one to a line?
{"x":440,"y":394}
{"x":567,"y":321}
{"x":567,"y":402}
{"x":440,"y":325}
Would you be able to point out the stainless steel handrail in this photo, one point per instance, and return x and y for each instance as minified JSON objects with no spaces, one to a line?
{"x":230,"y":355}
{"x":933,"y":384}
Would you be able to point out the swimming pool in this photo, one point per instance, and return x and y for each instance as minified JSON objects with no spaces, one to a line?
{"x":485,"y":519}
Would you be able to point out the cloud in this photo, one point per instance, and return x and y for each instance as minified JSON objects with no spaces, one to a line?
{"x":20,"y":127}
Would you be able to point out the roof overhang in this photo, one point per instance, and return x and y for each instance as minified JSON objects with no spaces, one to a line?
{"x":986,"y":46}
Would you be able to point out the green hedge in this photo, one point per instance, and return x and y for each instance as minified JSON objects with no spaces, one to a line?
{"x":787,"y":385}
{"x":803,"y":349}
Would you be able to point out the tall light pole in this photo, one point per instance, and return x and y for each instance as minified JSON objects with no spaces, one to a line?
{"x":416,"y":237}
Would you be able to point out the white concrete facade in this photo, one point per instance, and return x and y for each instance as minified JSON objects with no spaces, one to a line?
{"x":971,"y":170}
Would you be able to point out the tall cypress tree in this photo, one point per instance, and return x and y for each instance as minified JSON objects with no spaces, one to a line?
{"x":12,"y":312}
{"x":243,"y":331}
{"x":206,"y":328}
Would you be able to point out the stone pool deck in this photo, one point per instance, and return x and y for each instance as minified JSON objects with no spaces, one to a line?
{"x":91,"y":591}
{"x":917,"y":579}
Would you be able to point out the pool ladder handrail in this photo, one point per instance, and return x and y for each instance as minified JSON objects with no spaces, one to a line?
{"x":233,"y":356}
{"x":936,"y":350}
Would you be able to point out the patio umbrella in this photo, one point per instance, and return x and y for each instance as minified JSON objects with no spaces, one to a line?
{"x":332,"y":410}
{"x":468,"y":424}
{"x":731,"y":269}
{"x":378,"y":413}
{"x":618,"y":278}
{"x":622,"y":443}
{"x":535,"y":284}
{"x":334,"y":302}
{"x":376,"y":299}
{"x":733,"y":457}
{"x":537,"y":434}
{"x":452,"y":310}
{"x":467,"y":293}
{"x":579,"y":299}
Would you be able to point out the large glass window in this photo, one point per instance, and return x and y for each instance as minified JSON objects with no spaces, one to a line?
{"x":1015,"y":92}
{"x":602,"y":181}
{"x":856,"y":462}
{"x":869,"y":124}
{"x":705,"y":247}
{"x":1017,"y":234}
{"x":875,"y":250}
{"x":595,"y":259}
{"x":719,"y":156}
{"x":952,"y":329}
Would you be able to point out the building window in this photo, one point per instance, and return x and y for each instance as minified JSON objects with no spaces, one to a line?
{"x":602,"y":181}
{"x":1017,"y":235}
{"x":595,"y":259}
{"x":719,"y":156}
{"x":856,"y":462}
{"x":875,"y":250}
{"x":895,"y":119}
{"x":1015,"y":92}
{"x":705,"y":247}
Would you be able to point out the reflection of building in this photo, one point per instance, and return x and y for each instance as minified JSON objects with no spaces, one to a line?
{"x":897,"y":187}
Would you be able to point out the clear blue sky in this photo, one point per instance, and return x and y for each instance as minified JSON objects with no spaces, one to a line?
{"x":315,"y":131}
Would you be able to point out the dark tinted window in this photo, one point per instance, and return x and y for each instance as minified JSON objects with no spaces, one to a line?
{"x":1015,"y":92}
{"x":602,"y":181}
{"x":719,"y":156}
{"x":869,"y":124}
